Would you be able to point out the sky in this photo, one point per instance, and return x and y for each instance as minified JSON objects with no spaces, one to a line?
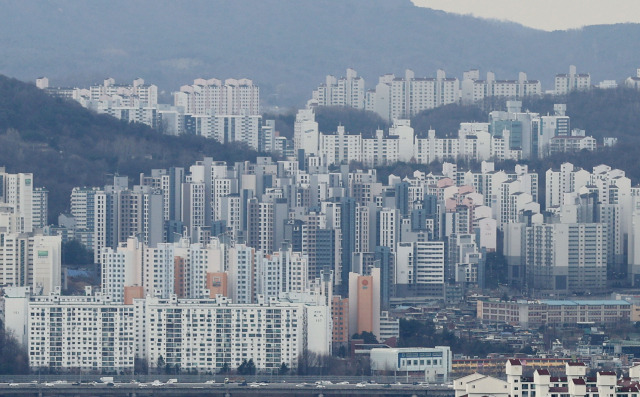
{"x":544,"y":14}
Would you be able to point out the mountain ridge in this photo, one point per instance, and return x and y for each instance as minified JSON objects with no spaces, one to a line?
{"x":288,"y":46}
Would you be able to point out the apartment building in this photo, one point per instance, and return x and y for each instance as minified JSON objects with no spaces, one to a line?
{"x":93,"y":333}
{"x":212,"y":96}
{"x":573,"y":81}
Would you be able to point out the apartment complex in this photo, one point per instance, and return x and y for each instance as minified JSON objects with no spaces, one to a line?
{"x":94,"y":333}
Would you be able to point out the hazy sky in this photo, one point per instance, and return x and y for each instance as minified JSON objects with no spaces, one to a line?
{"x":544,"y":14}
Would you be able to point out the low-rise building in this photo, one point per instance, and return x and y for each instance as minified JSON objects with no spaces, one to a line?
{"x":555,"y":312}
{"x":434,"y":362}
{"x":574,"y":382}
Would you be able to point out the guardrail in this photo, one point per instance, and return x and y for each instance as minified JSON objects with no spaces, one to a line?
{"x":201,"y":378}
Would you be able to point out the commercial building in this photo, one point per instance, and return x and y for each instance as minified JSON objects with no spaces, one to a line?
{"x":435,"y":362}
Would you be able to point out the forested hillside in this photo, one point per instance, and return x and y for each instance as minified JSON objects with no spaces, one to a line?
{"x":65,"y":145}
{"x":288,"y":46}
{"x":602,"y":113}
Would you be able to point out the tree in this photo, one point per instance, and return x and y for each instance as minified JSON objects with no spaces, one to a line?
{"x":225,"y":369}
{"x":140,"y":366}
{"x":368,"y":337}
{"x":76,"y":254}
{"x":251,"y":367}
{"x":14,"y":359}
{"x":283,"y":369}
{"x":247,"y":367}
{"x":160,"y":364}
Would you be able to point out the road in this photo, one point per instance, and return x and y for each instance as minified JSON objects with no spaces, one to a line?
{"x":219,"y":389}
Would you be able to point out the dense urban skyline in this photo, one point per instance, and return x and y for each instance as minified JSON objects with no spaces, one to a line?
{"x":462,"y":233}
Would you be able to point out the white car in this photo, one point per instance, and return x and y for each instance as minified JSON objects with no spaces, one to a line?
{"x":342,"y":383}
{"x":156,"y":383}
{"x":143,"y":385}
{"x":361,"y":384}
{"x":14,"y":384}
{"x":210,"y":382}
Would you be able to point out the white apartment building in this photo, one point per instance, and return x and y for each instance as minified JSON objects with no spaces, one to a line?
{"x":241,"y":269}
{"x":158,"y":270}
{"x":94,"y":333}
{"x":474,"y":89}
{"x":340,"y":147}
{"x":566,"y":257}
{"x":305,"y":133}
{"x":344,"y":91}
{"x":565,"y":83}
{"x":30,"y":260}
{"x":91,"y":333}
{"x":212,"y":96}
{"x":122,"y":268}
{"x":404,"y":97}
{"x":40,"y":205}
{"x":206,"y":334}
{"x":633,"y":81}
{"x":17,"y":191}
{"x":147,"y":115}
{"x":420,"y":263}
{"x":283,"y":271}
{"x":120,"y":213}
{"x":136,"y":94}
{"x":47,"y":263}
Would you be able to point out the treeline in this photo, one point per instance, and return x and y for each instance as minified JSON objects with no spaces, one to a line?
{"x":65,"y":145}
{"x":13,"y":357}
{"x":415,"y":333}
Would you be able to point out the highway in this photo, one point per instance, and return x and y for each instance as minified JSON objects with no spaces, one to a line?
{"x":50,"y":389}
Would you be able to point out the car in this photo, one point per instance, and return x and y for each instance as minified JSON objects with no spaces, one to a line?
{"x":244,"y":383}
{"x":254,"y":385}
{"x":387,"y":385}
{"x":143,"y":385}
{"x":156,"y":383}
{"x":342,"y":383}
{"x":300,"y":385}
{"x":321,"y":386}
{"x":49,"y":384}
{"x":14,"y":384}
{"x":210,"y":382}
{"x":361,"y":384}
{"x":76,"y":384}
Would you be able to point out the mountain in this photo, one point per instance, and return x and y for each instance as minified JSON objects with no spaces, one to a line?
{"x":288,"y":46}
{"x":65,"y":145}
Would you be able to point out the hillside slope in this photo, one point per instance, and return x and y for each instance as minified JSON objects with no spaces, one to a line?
{"x":65,"y":145}
{"x":288,"y":46}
